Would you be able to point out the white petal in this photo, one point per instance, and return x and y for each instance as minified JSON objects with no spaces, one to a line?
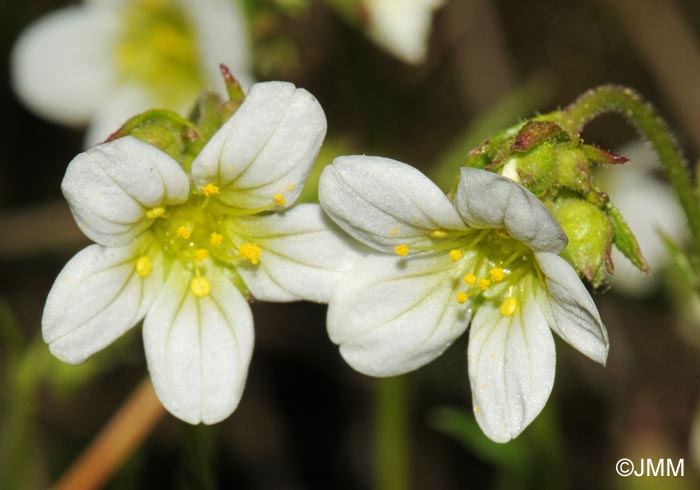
{"x":111,"y":187}
{"x":488,"y":200}
{"x":402,"y":27}
{"x":303,"y":255}
{"x":573,"y":314}
{"x":383,"y":203}
{"x":122,"y":104}
{"x":391,"y":316}
{"x":266,"y":148}
{"x":62,"y":64}
{"x":222,"y":37}
{"x":97,"y":297}
{"x":198,"y":349}
{"x":511,"y":367}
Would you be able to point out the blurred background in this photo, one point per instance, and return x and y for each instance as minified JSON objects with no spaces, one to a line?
{"x":306,"y":419}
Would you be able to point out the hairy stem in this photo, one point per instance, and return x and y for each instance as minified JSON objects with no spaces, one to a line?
{"x":641,"y":115}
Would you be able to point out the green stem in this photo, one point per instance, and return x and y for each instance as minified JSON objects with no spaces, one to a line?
{"x":641,"y":115}
{"x":391,"y":431}
{"x":16,"y":441}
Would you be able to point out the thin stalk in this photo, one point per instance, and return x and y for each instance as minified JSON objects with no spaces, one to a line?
{"x":391,"y":432}
{"x":117,"y":440}
{"x":641,"y":115}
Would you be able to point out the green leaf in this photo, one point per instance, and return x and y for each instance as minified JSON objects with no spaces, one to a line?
{"x":461,"y":425}
{"x":681,"y":261}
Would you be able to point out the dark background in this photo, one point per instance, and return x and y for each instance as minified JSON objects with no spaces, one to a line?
{"x":306,"y":418}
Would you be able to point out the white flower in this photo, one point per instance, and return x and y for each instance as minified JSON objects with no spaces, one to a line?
{"x":402,"y":27}
{"x":177,"y":248}
{"x":106,"y":60}
{"x":494,"y":252}
{"x":648,"y":206}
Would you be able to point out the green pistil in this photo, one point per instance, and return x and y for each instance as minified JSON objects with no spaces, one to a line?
{"x":158,"y":50}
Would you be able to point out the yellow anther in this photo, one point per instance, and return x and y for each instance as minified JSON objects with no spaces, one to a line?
{"x":279,"y":199}
{"x":455,"y":255}
{"x":250,"y":251}
{"x":216,"y":239}
{"x":509,"y":305}
{"x":200,"y":287}
{"x":438,"y":234}
{"x":462,"y":297}
{"x":483,"y":284}
{"x":394,"y":231}
{"x":497,"y":274}
{"x":401,"y":250}
{"x":470,"y":279}
{"x":477,"y":409}
{"x":210,"y":190}
{"x":201,"y":254}
{"x":290,"y":187}
{"x":144,"y":266}
{"x":155,"y":212}
{"x":183,"y":232}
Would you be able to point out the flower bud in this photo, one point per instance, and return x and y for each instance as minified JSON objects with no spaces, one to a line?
{"x":590,"y":234}
{"x":557,"y":167}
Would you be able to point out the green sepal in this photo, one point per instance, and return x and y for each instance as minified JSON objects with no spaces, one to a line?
{"x":208,"y":117}
{"x":538,"y":169}
{"x":495,"y":151}
{"x":164,"y":129}
{"x":535,"y":133}
{"x":602,"y":157}
{"x":233,"y":88}
{"x":624,"y":240}
{"x":573,"y":169}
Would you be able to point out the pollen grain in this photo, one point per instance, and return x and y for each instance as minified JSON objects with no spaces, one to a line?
{"x":401,"y":250}
{"x":483,"y":284}
{"x":455,"y":255}
{"x":462,"y":297}
{"x":216,"y":239}
{"x":210,"y":190}
{"x":279,"y":199}
{"x":250,"y":251}
{"x":155,"y":212}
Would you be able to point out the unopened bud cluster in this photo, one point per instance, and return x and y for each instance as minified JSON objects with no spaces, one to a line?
{"x":557,"y":166}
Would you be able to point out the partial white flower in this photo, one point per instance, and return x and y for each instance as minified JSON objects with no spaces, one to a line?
{"x":648,"y":206}
{"x":103,"y":61}
{"x":181,"y":250}
{"x":402,"y":27}
{"x":489,"y":258}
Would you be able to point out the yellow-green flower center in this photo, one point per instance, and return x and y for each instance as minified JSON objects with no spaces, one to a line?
{"x":202,"y":233}
{"x":486,"y":265}
{"x":158,"y":50}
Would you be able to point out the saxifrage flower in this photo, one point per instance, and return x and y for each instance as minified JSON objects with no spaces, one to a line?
{"x":181,"y":248}
{"x":489,"y":259}
{"x":104,"y":61}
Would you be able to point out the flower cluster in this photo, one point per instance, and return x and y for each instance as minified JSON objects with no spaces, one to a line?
{"x":180,"y":246}
{"x":186,"y":233}
{"x":489,"y":258}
